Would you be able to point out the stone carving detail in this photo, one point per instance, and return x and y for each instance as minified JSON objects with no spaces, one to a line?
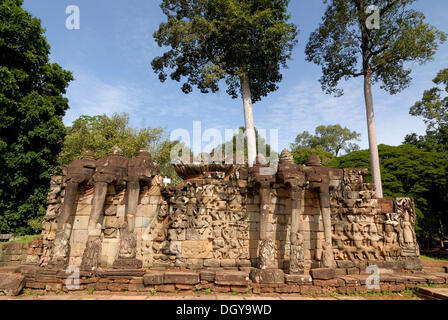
{"x":297,"y":254}
{"x":77,"y":173}
{"x":363,"y":230}
{"x":91,"y":257}
{"x":319,"y":180}
{"x":116,"y":212}
{"x":109,"y":171}
{"x":267,"y":254}
{"x":209,"y":217}
{"x":407,"y":238}
{"x":49,"y":225}
{"x":140,"y":170}
{"x":128,"y":243}
{"x":263,"y":179}
{"x":293,"y":176}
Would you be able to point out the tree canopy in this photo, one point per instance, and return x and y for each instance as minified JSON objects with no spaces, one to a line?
{"x":412,"y":172}
{"x":32,"y":105}
{"x":345,"y":47}
{"x":433,"y":107}
{"x":332,"y":138}
{"x":301,"y":155}
{"x":100,"y":133}
{"x":218,"y":40}
{"x":262,"y":146}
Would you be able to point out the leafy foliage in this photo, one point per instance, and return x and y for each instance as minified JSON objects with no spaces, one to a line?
{"x":332,"y":138}
{"x":412,"y":172}
{"x":241,"y":136}
{"x":434,"y":109}
{"x":32,"y":106}
{"x":301,"y":155}
{"x":214,"y":40}
{"x":100,"y":133}
{"x":345,"y":47}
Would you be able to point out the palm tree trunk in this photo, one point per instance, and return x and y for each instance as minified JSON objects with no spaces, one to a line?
{"x":249,"y":119}
{"x":371,"y":128}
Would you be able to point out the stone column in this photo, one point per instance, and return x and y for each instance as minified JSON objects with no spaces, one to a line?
{"x":296,"y":257}
{"x":133,"y":188}
{"x":266,"y":243}
{"x":97,"y":209}
{"x":327,"y":254}
{"x":61,"y":248}
{"x":263,"y":177}
{"x":109,"y":171}
{"x":71,"y":193}
{"x":76,"y":173}
{"x":92,"y":253}
{"x":128,"y":239}
{"x":293,"y":176}
{"x":319,"y":182}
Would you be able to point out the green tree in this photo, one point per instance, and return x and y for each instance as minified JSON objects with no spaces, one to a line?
{"x":100,"y":133}
{"x":412,"y":172}
{"x":433,"y":107}
{"x":346,"y":45}
{"x":32,"y":106}
{"x":240,"y":138}
{"x":245,"y":43}
{"x":332,"y":138}
{"x":301,"y":155}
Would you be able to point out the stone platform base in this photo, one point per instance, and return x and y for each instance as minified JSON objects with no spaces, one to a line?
{"x":433,"y":293}
{"x":217,"y":280}
{"x":267,"y":276}
{"x":127,"y":264}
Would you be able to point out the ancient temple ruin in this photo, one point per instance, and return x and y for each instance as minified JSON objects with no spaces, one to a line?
{"x":116,"y":213}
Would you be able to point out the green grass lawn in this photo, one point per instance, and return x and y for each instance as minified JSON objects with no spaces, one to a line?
{"x":21,"y":239}
{"x":433,"y":258}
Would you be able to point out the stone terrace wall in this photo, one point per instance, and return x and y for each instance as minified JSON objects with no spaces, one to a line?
{"x":113,"y":217}
{"x":16,"y":253}
{"x":213,"y":221}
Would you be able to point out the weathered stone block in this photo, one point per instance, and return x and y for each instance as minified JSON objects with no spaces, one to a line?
{"x":323,"y":273}
{"x":113,"y":222}
{"x":345,"y":264}
{"x":236,"y":278}
{"x":194,"y":264}
{"x":11,"y":284}
{"x":228,"y":263}
{"x":80,"y":236}
{"x":200,"y":249}
{"x":176,"y":234}
{"x":413,"y":263}
{"x":153,"y":278}
{"x":81,"y":223}
{"x":267,"y":276}
{"x":83,"y":209}
{"x":298,"y":278}
{"x":109,"y":251}
{"x":127,"y":264}
{"x":121,"y":210}
{"x":212,"y":263}
{"x":181,"y":278}
{"x":196,"y":234}
{"x":207,"y":276}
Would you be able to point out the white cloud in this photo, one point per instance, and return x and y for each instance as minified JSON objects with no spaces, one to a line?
{"x":306,"y":106}
{"x":89,"y":95}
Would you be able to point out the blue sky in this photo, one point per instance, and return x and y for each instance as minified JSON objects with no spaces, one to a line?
{"x":110,"y":58}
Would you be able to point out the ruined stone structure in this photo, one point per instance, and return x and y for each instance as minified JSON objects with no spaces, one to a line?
{"x":116,"y":213}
